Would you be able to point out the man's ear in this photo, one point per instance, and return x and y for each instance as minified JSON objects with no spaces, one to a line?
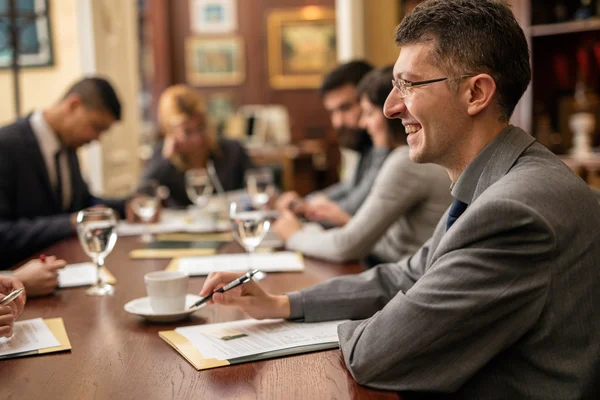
{"x":481,"y":91}
{"x":72,"y":102}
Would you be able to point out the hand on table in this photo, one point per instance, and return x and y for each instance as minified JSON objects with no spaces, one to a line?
{"x":326,"y":210}
{"x":249,"y":297}
{"x":39,"y":277}
{"x":286,"y":225}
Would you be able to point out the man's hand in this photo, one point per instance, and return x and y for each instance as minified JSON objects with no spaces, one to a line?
{"x":40,"y":277}
{"x":10,"y":312}
{"x":286,"y":225}
{"x":285,"y":201}
{"x":327,"y":210}
{"x":249,"y":297}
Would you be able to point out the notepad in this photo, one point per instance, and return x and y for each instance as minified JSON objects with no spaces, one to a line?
{"x":82,"y":274}
{"x":30,"y":335}
{"x":214,"y":345}
{"x":284,"y":261}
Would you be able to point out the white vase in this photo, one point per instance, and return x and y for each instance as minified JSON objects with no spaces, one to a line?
{"x":582,"y":125}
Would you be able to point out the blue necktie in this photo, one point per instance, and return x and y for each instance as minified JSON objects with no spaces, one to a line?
{"x":456,"y":210}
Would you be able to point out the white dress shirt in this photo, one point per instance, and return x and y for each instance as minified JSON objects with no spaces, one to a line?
{"x":49,"y":145}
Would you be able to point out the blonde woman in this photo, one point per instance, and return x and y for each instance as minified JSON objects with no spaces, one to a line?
{"x":190,"y":142}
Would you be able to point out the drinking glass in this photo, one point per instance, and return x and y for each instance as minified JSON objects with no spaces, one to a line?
{"x":145,"y":205}
{"x":248,"y":224}
{"x":260,"y":186}
{"x":198,"y":186}
{"x":97,"y":231}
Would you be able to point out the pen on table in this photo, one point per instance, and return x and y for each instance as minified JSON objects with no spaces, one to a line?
{"x":11,"y":296}
{"x":234,"y":283}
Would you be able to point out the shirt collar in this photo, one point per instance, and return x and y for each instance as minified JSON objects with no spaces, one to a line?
{"x":44,"y":132}
{"x":465,"y":186}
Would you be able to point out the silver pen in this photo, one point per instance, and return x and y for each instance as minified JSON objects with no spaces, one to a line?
{"x":233,"y":284}
{"x":11,"y":296}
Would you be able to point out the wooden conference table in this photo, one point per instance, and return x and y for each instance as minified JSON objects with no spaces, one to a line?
{"x":116,"y":355}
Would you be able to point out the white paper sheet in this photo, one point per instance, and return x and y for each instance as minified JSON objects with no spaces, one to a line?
{"x":266,"y":262}
{"x":235,"y":339}
{"x":77,"y":275}
{"x":174,"y":221}
{"x":32,"y":334}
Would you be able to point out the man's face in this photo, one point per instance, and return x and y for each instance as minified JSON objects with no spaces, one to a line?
{"x":344,"y":111}
{"x":343,"y":108}
{"x":435,"y":121}
{"x":82,"y":125}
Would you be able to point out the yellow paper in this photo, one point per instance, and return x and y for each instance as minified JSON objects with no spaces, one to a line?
{"x":57,"y":326}
{"x":189,"y":352}
{"x":173,"y":265}
{"x":108,"y":276}
{"x":170,"y":253}
{"x":196,"y":237}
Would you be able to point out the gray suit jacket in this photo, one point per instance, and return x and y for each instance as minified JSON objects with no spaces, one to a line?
{"x":505,"y":305}
{"x":31,"y":217}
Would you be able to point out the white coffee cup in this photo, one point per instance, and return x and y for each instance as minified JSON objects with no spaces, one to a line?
{"x":166,"y":290}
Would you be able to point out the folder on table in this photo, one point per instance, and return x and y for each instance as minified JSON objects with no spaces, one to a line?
{"x":57,"y":327}
{"x":309,"y":338}
{"x":170,"y":249}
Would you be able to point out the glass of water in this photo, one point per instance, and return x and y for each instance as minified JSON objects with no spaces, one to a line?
{"x":198,"y":186}
{"x":260,"y":186}
{"x":249,"y":225}
{"x":97,"y":231}
{"x":145,"y":205}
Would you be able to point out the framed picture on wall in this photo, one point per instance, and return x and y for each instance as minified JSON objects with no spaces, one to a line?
{"x":35,"y":44}
{"x":215,"y":61}
{"x":301,"y":46}
{"x":213,"y":16}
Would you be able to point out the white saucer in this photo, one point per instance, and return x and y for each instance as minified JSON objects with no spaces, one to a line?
{"x":142,"y":308}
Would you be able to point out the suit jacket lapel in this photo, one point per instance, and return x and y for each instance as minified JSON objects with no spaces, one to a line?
{"x":32,"y":147}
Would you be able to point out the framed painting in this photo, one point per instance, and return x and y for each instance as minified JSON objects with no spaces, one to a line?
{"x":301,"y":46}
{"x":215,"y":61}
{"x":213,"y":16}
{"x":33,"y":32}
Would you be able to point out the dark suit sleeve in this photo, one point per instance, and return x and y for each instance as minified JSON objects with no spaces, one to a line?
{"x":24,"y":235}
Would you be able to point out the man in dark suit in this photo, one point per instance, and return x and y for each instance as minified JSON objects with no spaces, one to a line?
{"x":41,"y":187}
{"x":502,"y":301}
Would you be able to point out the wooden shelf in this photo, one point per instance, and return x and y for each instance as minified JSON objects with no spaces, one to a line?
{"x":591,"y":24}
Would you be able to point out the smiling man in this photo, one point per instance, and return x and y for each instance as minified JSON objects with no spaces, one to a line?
{"x":41,"y":186}
{"x":501,"y":303}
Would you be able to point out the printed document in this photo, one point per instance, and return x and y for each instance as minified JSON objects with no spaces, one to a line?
{"x":77,"y":275}
{"x":32,"y":334}
{"x":229,"y":340}
{"x":283,"y":261}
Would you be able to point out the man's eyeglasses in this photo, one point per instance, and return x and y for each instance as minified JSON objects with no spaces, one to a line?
{"x":403,"y":85}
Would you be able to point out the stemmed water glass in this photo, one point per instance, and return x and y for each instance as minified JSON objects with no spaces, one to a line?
{"x":97,"y":231}
{"x":145,"y":205}
{"x":260,"y":186}
{"x":249,"y":225}
{"x":198,"y":186}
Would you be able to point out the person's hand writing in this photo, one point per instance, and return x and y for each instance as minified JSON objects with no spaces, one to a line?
{"x":249,"y":297}
{"x":10,"y":312}
{"x":286,"y":225}
{"x":327,"y":210}
{"x":40,"y":277}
